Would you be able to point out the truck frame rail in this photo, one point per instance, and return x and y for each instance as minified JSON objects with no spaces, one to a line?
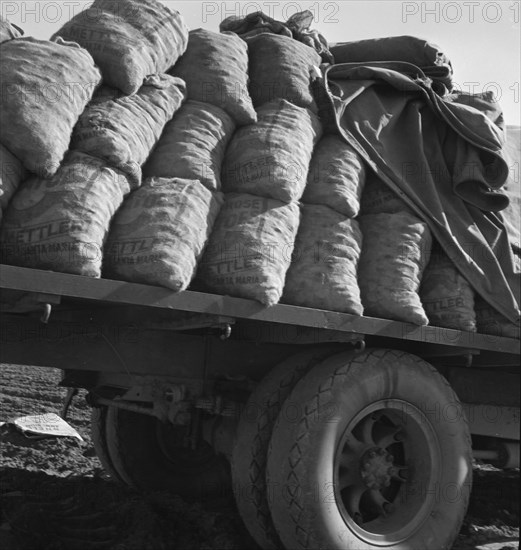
{"x":61,"y":285}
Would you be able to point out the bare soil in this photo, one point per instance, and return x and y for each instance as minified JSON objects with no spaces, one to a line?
{"x":54,"y":494}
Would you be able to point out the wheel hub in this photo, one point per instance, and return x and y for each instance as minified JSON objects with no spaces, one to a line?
{"x":376,"y":468}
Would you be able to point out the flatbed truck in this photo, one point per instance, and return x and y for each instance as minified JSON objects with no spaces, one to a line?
{"x":331,"y":430}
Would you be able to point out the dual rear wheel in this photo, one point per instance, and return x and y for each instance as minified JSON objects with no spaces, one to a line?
{"x":367,"y":451}
{"x":350,"y":451}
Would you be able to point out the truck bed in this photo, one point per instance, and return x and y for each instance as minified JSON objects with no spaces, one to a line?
{"x":53,"y":287}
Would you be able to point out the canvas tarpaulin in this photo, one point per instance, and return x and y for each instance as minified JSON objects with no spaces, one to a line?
{"x":298,"y":26}
{"x":432,"y":60}
{"x":512,"y":188}
{"x":442,"y":155}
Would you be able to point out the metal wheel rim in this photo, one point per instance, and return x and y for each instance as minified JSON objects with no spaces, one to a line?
{"x":390,"y":514}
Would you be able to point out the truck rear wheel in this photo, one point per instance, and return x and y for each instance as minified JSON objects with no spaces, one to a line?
{"x":250,"y":452}
{"x":98,"y":431}
{"x":151,"y":455}
{"x":379,"y":456}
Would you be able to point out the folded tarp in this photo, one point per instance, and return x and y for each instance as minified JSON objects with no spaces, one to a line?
{"x":443,"y":156}
{"x":298,"y":26}
{"x":410,"y":49}
{"x":511,"y":215}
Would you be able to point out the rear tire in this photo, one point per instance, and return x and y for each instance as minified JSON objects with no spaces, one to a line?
{"x":380,"y":456}
{"x":150,"y":455}
{"x":250,"y":452}
{"x":98,"y":431}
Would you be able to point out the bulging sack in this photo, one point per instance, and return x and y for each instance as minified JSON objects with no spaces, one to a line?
{"x":160,"y":231}
{"x":61,"y":223}
{"x":378,"y":198}
{"x":192,"y":145}
{"x":129,"y":40}
{"x":280,"y":68}
{"x":122,"y":130}
{"x":45,"y":88}
{"x":394,"y":255}
{"x":490,"y":321}
{"x":215,"y":69}
{"x":250,"y":248}
{"x":271,"y":158}
{"x":323,"y":272}
{"x":11,"y":174}
{"x":336,"y":176}
{"x":447,"y":297}
{"x":8,"y":31}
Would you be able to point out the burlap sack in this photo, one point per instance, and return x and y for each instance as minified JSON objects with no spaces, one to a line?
{"x":395,"y":252}
{"x":45,"y":88}
{"x":280,"y":69}
{"x":336,"y":176}
{"x":159,"y":233}
{"x":323,"y":272}
{"x":192,"y":145}
{"x":129,"y":40}
{"x":122,"y":130}
{"x":271,"y":158}
{"x":215,"y":69}
{"x":250,"y":248}
{"x":61,"y":223}
{"x":8,"y":31}
{"x":378,"y":198}
{"x":446,"y":295}
{"x":11,"y":174}
{"x":490,"y":321}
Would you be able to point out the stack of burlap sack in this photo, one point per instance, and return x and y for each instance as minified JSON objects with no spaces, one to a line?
{"x":45,"y":88}
{"x":396,"y":251}
{"x":160,"y":232}
{"x":402,"y":275}
{"x":405,"y":275}
{"x":84,"y":149}
{"x":179,"y":153}
{"x":264,"y":174}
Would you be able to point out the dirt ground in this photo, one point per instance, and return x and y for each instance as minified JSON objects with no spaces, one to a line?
{"x":54,"y":494}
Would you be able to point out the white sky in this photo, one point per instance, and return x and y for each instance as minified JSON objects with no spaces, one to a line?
{"x":482,"y":38}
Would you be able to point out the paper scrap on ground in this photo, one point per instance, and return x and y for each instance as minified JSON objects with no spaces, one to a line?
{"x":49,"y":424}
